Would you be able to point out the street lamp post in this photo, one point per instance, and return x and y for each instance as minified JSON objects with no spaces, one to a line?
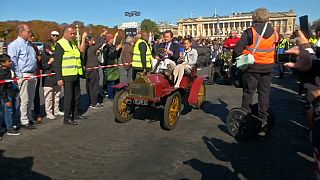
{"x":132,"y":31}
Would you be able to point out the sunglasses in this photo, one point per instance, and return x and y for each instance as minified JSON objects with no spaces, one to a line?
{"x":54,"y":35}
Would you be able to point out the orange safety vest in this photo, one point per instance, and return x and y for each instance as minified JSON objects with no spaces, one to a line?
{"x":265,"y":52}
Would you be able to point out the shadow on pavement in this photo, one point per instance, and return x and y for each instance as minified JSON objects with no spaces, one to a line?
{"x":148,"y":113}
{"x":18,"y":168}
{"x":258,"y":160}
{"x":220,"y":110}
{"x":210,"y":170}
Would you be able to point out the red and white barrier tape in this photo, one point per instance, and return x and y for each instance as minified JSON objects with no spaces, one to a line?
{"x":26,"y":77}
{"x":51,"y":74}
{"x":109,"y":66}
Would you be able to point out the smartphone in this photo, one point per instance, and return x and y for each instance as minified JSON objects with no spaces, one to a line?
{"x":304,"y":26}
{"x":283,"y":58}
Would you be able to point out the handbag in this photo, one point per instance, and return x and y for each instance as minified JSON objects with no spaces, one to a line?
{"x":246,"y":60}
{"x":113,"y":73}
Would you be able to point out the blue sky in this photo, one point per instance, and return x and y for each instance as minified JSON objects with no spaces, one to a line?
{"x":111,"y":13}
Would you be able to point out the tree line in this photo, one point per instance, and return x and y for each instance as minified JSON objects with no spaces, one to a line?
{"x":42,"y":29}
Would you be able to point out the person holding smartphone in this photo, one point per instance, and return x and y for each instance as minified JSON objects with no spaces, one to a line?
{"x":309,"y":65}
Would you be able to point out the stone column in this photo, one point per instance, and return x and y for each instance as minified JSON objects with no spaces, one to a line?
{"x":213,"y":29}
{"x":280,"y":27}
{"x":183,"y":30}
{"x":209,"y":30}
{"x":223,"y":29}
{"x":197,"y":30}
{"x":192,"y":30}
{"x":203,"y":32}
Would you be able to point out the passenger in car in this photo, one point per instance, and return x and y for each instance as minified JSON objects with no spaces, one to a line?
{"x":187,"y":61}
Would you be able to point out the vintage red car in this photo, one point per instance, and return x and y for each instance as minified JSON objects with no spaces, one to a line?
{"x":157,"y":90}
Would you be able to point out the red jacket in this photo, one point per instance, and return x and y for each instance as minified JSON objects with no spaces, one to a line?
{"x":231,"y":42}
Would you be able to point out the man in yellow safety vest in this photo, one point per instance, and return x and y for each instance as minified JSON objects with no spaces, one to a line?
{"x":68,"y":69}
{"x":142,"y":56}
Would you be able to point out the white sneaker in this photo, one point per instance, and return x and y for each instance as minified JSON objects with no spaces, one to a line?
{"x":50,"y":116}
{"x":59,"y":113}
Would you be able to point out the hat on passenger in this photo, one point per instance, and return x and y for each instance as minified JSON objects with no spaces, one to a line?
{"x":55,"y":33}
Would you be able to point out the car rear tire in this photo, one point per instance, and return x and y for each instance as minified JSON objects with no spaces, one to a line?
{"x":201,"y":97}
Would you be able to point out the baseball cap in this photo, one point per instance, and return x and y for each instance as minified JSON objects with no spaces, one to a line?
{"x":55,"y":33}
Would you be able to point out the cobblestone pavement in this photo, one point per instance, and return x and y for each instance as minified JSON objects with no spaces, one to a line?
{"x":199,"y":148}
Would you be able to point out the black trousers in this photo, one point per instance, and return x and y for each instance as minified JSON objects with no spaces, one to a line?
{"x":261,"y":82}
{"x":37,"y":110}
{"x":71,"y":98}
{"x":92,"y":86}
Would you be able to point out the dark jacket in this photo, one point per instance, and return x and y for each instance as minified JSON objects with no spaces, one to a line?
{"x":7,"y":89}
{"x":309,"y":76}
{"x":247,"y":40}
{"x":48,"y":53}
{"x":154,"y":49}
{"x":110,"y":54}
{"x":317,"y":51}
{"x":90,"y":54}
{"x":174,"y":47}
{"x":127,"y":54}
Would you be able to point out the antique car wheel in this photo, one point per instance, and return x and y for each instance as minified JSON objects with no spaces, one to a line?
{"x":122,"y":112}
{"x":238,"y":123}
{"x":172,"y":111}
{"x":201,"y":97}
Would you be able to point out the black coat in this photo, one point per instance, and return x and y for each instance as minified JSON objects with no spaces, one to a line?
{"x":47,"y":53}
{"x":7,"y":89}
{"x":110,"y":54}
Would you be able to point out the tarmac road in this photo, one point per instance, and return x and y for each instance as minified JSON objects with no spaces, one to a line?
{"x":199,"y":148}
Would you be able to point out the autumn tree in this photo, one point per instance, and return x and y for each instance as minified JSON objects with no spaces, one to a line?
{"x":149,"y":26}
{"x":42,"y":29}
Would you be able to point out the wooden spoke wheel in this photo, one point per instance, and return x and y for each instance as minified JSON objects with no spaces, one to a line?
{"x":122,"y":111}
{"x":172,"y":111}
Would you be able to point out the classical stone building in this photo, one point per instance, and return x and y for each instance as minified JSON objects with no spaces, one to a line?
{"x":163,"y":26}
{"x":220,"y":27}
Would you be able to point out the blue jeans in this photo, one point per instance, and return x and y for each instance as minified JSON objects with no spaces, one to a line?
{"x":8,"y":112}
{"x":111,"y":90}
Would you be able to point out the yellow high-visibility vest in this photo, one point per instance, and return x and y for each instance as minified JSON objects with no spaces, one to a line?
{"x":283,"y":43}
{"x":71,"y":63}
{"x":313,"y":41}
{"x":136,"y":59}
